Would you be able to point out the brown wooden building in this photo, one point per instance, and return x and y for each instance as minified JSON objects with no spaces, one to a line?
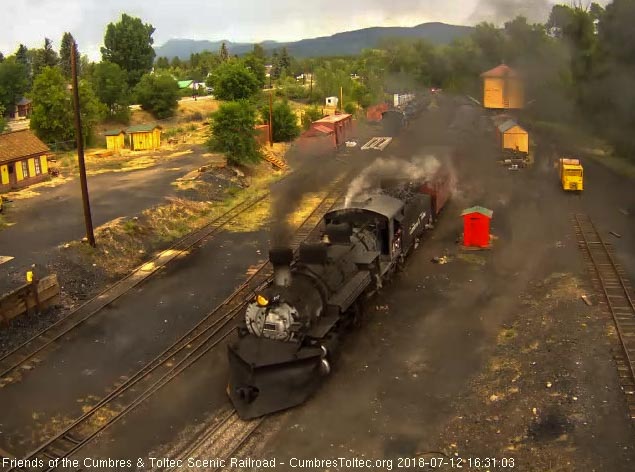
{"x":23,"y":159}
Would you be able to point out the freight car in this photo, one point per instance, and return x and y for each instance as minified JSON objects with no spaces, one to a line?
{"x":293,"y":328}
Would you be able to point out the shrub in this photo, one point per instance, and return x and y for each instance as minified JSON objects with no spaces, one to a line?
{"x":310,"y":115}
{"x":233,"y":132}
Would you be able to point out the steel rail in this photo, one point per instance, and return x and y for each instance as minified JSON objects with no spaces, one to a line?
{"x":102,"y":300}
{"x":52,"y":449}
{"x":602,"y":272}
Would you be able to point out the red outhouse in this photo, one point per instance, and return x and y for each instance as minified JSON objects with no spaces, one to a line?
{"x":476,"y":222}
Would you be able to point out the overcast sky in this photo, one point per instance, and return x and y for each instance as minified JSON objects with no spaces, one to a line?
{"x":29,"y":21}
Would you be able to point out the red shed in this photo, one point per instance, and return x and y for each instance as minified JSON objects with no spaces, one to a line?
{"x":340,"y":125}
{"x":262,"y":134}
{"x":476,"y":222}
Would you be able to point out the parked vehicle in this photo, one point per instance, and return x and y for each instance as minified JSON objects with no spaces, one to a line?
{"x":571,"y":174}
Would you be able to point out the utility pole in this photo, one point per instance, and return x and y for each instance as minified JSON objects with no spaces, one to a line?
{"x":271,"y":118}
{"x":90,"y":235}
{"x":341,"y":98}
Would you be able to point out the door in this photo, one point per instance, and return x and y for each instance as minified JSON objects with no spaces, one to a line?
{"x":12,"y":177}
{"x":475,"y":231}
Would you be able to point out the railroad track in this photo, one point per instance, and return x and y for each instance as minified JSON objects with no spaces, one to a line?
{"x":221,"y":441}
{"x":23,"y":358}
{"x":187,"y":350}
{"x":612,"y":283}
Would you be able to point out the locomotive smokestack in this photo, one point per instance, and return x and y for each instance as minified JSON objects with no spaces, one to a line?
{"x":281,"y":258}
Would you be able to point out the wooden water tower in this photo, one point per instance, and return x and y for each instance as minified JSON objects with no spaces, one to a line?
{"x":503,"y":88}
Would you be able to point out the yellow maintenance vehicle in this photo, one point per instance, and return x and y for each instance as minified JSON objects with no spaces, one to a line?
{"x":571,"y":174}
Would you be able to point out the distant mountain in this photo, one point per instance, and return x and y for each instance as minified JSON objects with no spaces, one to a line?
{"x":340,"y":44}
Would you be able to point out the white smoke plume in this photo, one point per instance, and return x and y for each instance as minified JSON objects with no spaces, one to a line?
{"x":418,"y":167}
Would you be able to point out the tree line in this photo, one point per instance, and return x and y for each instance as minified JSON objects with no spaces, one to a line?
{"x":579,"y":68}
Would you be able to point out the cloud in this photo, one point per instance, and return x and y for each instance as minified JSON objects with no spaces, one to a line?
{"x":29,"y":21}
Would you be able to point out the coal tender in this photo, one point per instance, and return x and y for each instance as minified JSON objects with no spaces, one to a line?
{"x":293,"y":327}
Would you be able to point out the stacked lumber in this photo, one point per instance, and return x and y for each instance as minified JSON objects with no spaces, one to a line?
{"x":23,"y":299}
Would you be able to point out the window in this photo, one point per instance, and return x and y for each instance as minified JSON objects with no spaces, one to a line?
{"x":38,"y":169}
{"x":25,"y":169}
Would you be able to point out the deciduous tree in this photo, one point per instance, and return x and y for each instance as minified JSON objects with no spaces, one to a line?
{"x":52,"y":118}
{"x":109,"y":82}
{"x":256,"y":65}
{"x":285,"y":122}
{"x":128,"y":44}
{"x":233,"y":81}
{"x":233,"y":132}
{"x":158,"y":94}
{"x":13,"y":82}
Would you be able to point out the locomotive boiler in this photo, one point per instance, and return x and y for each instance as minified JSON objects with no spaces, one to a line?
{"x":293,"y":328}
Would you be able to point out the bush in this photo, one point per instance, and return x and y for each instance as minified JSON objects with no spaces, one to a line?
{"x":285,"y":123}
{"x":121,"y":114}
{"x":233,"y":132}
{"x":233,"y":81}
{"x":310,"y":115}
{"x":195,"y":116}
{"x":350,"y":108}
{"x":158,"y":94}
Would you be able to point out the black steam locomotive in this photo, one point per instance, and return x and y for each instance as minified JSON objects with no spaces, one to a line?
{"x":292,"y":329}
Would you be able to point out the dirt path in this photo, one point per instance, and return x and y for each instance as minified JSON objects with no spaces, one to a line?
{"x":55,"y":216}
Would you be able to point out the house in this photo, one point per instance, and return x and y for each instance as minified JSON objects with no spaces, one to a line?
{"x":24,"y":108}
{"x":185,"y":84}
{"x":503,"y":88}
{"x":115,"y":139}
{"x":23,"y":159}
{"x":331,"y":102}
{"x":513,"y":136}
{"x":144,"y":137}
{"x":476,"y":226}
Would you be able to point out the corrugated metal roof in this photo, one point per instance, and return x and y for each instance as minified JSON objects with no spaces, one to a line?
{"x":478,"y":209}
{"x":333,"y":118}
{"x":322,"y":129}
{"x":142,"y":128}
{"x":114,"y":132}
{"x":507,"y":125}
{"x":23,"y":101}
{"x":502,"y":70}
{"x":19,"y":144}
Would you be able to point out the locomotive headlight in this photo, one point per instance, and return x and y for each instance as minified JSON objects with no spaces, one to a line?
{"x":261,"y":300}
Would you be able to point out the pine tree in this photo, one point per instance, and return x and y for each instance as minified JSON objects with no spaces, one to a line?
{"x":224,"y":54}
{"x":285,"y":61}
{"x":21,"y":55}
{"x":275,"y":65}
{"x":49,"y":56}
{"x":65,"y":54}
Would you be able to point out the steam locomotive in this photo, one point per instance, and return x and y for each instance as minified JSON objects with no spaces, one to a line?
{"x":293,"y":328}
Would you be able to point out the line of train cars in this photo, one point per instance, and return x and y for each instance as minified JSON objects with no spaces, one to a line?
{"x":293,"y":329}
{"x":406,"y":108}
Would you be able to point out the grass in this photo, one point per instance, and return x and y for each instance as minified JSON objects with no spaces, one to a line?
{"x":124,"y":243}
{"x":619,"y":165}
{"x":586,"y":145}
